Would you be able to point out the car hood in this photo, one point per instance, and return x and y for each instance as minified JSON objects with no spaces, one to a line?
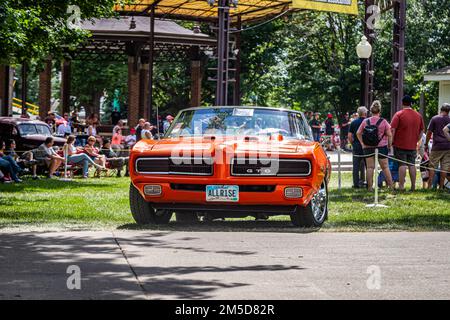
{"x":247,"y":145}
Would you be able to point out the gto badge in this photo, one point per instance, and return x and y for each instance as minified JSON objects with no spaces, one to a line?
{"x":265,"y":171}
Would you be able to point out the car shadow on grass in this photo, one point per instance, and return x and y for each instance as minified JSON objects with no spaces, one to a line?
{"x":224,"y":226}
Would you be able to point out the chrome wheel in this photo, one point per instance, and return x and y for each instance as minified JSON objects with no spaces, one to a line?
{"x":319,"y":204}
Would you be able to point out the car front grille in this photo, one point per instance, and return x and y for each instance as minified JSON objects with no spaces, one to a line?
{"x":270,"y":167}
{"x":174,"y":166}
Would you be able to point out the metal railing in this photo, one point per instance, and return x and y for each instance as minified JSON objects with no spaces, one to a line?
{"x":31,"y":108}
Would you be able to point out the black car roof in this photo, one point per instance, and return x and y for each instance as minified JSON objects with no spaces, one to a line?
{"x":16,"y":121}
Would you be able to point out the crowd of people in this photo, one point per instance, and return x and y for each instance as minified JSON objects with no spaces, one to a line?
{"x":84,"y":148}
{"x":53,"y":161}
{"x":12,"y":166}
{"x":67,"y":125}
{"x":325,"y":131}
{"x":399,"y":144}
{"x":146,"y":130}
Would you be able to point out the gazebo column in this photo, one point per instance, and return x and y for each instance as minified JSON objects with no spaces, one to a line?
{"x":196,"y":84}
{"x":65,"y":85}
{"x":196,"y":77}
{"x":151,"y":60}
{"x":398,"y":73}
{"x":24,"y":89}
{"x":144,"y":90}
{"x":6,"y":89}
{"x":223,"y":41}
{"x":237,"y":74}
{"x":45,"y":89}
{"x":133,"y":91}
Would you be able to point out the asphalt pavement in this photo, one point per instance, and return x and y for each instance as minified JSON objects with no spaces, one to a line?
{"x":224,"y":265}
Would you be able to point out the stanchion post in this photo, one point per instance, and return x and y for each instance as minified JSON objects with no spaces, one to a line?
{"x":376,"y":174}
{"x":376,"y":203}
{"x":339,"y":169}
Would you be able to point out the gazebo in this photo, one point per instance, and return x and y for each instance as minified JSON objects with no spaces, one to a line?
{"x":147,"y":33}
{"x":227,"y":16}
{"x":114,"y":39}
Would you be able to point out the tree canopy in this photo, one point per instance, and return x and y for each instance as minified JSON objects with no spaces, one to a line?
{"x":34,"y":29}
{"x":307,"y":60}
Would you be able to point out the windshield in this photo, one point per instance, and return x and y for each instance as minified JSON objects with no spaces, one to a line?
{"x":239,"y":122}
{"x":28,"y":129}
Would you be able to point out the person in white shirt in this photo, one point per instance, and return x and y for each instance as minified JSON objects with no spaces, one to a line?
{"x":119,"y":125}
{"x":167,"y":123}
{"x":130,"y":140}
{"x":49,"y":156}
{"x":146,"y":133}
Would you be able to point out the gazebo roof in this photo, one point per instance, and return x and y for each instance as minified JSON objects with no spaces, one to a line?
{"x":111,"y":39}
{"x":438,"y":75}
{"x":200,"y":10}
{"x":165,"y":31}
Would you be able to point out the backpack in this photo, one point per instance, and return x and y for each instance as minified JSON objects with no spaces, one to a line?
{"x":370,"y":135}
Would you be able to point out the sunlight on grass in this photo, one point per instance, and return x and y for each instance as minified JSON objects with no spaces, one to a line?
{"x":103,"y":203}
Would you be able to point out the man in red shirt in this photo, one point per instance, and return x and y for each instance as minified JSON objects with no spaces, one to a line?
{"x":407,"y":130}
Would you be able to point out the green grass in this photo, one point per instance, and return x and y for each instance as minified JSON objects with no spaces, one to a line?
{"x":103,"y":204}
{"x":76,"y":204}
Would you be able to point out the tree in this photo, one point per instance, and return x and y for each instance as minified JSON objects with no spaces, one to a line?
{"x":92,"y":79}
{"x":309,"y":61}
{"x":35,"y":29}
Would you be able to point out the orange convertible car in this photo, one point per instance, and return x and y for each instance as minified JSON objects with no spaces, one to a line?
{"x":219,"y":162}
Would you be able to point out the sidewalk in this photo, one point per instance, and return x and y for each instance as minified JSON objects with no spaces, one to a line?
{"x":225,"y":265}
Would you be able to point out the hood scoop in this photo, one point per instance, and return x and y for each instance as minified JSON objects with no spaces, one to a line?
{"x":209,"y":138}
{"x":250,"y":139}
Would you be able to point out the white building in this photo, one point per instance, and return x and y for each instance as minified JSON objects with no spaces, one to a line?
{"x":443,"y":77}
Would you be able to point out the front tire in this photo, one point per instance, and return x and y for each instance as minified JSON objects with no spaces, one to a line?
{"x":142,"y":211}
{"x":315,"y":213}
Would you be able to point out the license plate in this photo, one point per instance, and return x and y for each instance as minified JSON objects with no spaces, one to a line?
{"x":222,"y":193}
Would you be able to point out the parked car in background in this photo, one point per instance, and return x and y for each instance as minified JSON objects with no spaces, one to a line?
{"x":220,"y":162}
{"x":28,"y":134}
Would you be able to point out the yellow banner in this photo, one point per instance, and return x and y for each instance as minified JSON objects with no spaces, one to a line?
{"x":342,"y":6}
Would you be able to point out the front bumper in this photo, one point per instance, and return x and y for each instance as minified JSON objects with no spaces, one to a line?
{"x":276,"y":197}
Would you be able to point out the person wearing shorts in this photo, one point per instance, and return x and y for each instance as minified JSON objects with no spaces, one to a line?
{"x":385,"y":144}
{"x":407,"y":130}
{"x":405,"y":156}
{"x":440,"y":152}
{"x":383,"y":152}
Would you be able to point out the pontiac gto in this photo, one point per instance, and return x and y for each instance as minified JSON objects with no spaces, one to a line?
{"x":219,"y":162}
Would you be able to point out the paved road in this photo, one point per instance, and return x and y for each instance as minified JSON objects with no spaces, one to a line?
{"x":225,"y":265}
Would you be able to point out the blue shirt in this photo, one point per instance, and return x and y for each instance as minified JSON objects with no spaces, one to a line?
{"x":354,"y":126}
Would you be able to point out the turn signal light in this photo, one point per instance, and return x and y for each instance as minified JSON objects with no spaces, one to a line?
{"x":293,"y":192}
{"x":152,"y":190}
